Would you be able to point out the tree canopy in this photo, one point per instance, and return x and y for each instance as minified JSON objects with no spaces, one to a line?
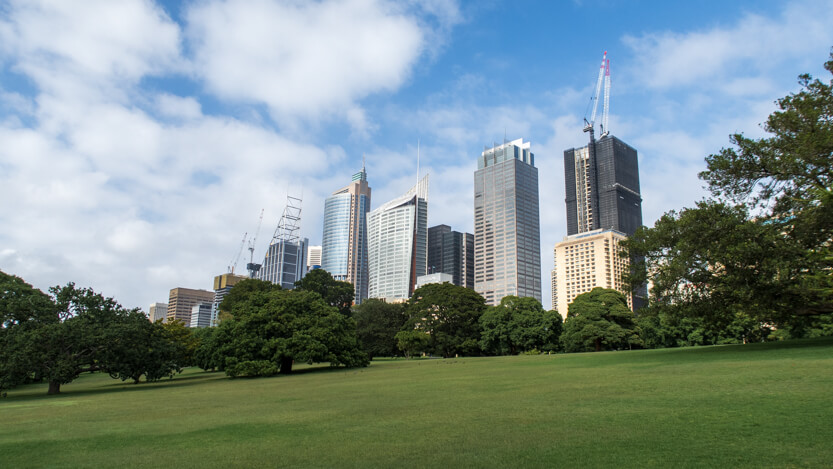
{"x":519,"y":325}
{"x":377,"y":323}
{"x":599,"y":320}
{"x":335,"y":292}
{"x":443,"y":319}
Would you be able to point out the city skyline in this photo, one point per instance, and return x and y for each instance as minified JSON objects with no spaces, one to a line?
{"x":137,"y":150}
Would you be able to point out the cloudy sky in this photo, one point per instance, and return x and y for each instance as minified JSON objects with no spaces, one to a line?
{"x":140,"y":139}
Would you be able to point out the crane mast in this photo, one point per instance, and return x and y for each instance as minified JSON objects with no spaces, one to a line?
{"x":251,"y":266}
{"x":604,"y":77}
{"x":233,"y":262}
{"x":607,"y":98}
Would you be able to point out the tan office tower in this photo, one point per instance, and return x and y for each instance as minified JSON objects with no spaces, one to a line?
{"x":507,"y":232}
{"x":182,"y":300}
{"x":585,"y":261}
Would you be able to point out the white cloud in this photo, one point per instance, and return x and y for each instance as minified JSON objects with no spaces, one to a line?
{"x":755,"y":44}
{"x":302,"y":59}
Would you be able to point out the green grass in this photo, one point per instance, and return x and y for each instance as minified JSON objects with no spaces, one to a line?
{"x":759,"y":405}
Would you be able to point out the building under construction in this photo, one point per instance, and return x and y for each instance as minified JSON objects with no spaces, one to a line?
{"x":285,"y":261}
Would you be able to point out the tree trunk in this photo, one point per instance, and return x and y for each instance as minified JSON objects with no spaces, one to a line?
{"x":286,"y":365}
{"x":54,"y":387}
{"x":598,"y":344}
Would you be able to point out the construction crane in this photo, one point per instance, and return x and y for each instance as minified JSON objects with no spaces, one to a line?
{"x":604,"y":75}
{"x":251,"y":266}
{"x":233,"y":263}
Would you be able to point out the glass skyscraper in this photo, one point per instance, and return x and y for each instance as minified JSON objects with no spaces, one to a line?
{"x":397,"y":234}
{"x":451,"y":252}
{"x":507,"y":231}
{"x":344,"y":244}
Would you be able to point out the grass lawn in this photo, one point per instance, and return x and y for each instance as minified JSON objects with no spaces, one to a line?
{"x":760,"y":405}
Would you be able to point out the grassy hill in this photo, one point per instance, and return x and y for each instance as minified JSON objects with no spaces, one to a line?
{"x":762,"y":405}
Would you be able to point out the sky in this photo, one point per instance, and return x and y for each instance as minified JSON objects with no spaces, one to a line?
{"x":140,"y":139}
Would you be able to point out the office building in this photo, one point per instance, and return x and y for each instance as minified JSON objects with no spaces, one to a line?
{"x":585,"y":261}
{"x":285,"y":261}
{"x":602,"y":187}
{"x":313,"y":258}
{"x":201,"y":315}
{"x":157,"y":311}
{"x":397,"y":234}
{"x":344,"y":242}
{"x":507,"y":233}
{"x":451,"y":252}
{"x":222,"y":285}
{"x":182,"y":300}
{"x":438,"y":277}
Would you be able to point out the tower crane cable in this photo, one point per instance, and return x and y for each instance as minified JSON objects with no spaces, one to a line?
{"x":233,"y":263}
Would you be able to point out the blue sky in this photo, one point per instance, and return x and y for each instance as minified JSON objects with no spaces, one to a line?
{"x":139,"y":140}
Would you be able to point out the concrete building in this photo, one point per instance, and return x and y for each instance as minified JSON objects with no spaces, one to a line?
{"x":397,"y":244}
{"x":313,"y":257}
{"x":507,"y":233}
{"x":285,"y":261}
{"x":344,"y":242}
{"x":201,"y":315}
{"x":451,"y":252}
{"x":222,"y":285}
{"x":602,"y":187}
{"x":439,"y":277}
{"x":182,"y":300}
{"x":157,"y":311}
{"x":585,"y":261}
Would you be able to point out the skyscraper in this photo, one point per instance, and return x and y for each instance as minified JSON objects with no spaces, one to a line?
{"x":507,"y":233}
{"x":313,"y":257}
{"x":602,"y":186}
{"x":397,"y":244}
{"x":344,"y":244}
{"x":182,"y":300}
{"x":286,"y":259}
{"x":451,"y":252}
{"x":157,"y":311}
{"x":222,"y":285}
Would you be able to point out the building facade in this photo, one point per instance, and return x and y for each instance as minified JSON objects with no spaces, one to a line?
{"x":313,"y":258}
{"x":397,"y":234}
{"x":157,"y":311}
{"x":602,"y":187}
{"x":285,"y":262}
{"x":182,"y":300}
{"x":451,"y":252}
{"x":222,"y":285}
{"x":344,"y":242}
{"x":201,"y":315}
{"x":507,"y":233}
{"x":584,"y":261}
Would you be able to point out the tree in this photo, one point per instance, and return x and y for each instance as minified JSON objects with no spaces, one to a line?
{"x":599,"y":319}
{"x":788,"y":177}
{"x":269,"y":330}
{"x":449,"y":315}
{"x":244,"y":292}
{"x":377,"y":324}
{"x":335,"y":293}
{"x":518,"y":325}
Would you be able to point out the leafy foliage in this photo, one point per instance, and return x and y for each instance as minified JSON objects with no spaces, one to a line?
{"x":377,"y":324}
{"x":335,"y":293}
{"x":599,"y":320}
{"x":449,"y":315}
{"x":519,"y":325}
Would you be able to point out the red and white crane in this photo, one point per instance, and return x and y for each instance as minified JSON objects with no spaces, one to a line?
{"x":604,"y":76}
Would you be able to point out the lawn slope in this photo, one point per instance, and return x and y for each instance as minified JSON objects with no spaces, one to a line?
{"x":759,"y":405}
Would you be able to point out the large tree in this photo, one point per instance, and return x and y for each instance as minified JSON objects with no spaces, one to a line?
{"x":448,"y":315}
{"x":335,"y":292}
{"x":599,"y":320}
{"x":518,"y":325}
{"x":270,"y":329}
{"x":377,"y":323}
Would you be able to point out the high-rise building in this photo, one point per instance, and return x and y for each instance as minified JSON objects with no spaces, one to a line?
{"x":157,"y":311}
{"x":182,"y":300}
{"x":313,"y":257}
{"x":585,"y":261}
{"x":451,"y":252}
{"x":344,"y":243}
{"x":507,"y":233}
{"x":201,"y":315}
{"x":222,"y":285}
{"x":602,"y":186}
{"x":286,"y":259}
{"x":397,"y":234}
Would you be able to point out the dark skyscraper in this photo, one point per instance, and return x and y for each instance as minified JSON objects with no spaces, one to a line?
{"x":451,"y":252}
{"x":602,"y":186}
